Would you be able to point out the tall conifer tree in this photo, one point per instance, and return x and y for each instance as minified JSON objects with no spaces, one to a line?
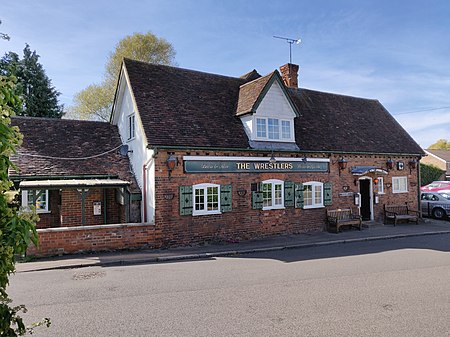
{"x":40,"y":98}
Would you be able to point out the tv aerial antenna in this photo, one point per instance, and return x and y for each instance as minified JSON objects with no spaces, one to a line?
{"x":291,"y":42}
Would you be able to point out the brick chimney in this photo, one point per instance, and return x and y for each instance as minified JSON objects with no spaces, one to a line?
{"x":289,"y":74}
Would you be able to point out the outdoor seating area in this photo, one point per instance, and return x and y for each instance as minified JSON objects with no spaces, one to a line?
{"x":343,"y":217}
{"x":395,"y":213}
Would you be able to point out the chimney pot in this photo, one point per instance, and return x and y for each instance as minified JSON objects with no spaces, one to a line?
{"x":289,"y":74}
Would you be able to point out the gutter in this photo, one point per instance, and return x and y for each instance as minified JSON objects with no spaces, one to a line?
{"x":206,"y":148}
{"x":53,"y":177}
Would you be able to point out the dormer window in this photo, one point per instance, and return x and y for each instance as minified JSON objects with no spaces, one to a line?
{"x":274,"y":129}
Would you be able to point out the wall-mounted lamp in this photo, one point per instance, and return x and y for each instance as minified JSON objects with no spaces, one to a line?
{"x":342,"y":164}
{"x":375,"y":181}
{"x":412,"y":165}
{"x":172,"y":162}
{"x":272,"y":158}
{"x":390,"y":164}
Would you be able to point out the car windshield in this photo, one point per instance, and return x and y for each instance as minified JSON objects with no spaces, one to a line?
{"x":445,"y":195}
{"x":433,"y":185}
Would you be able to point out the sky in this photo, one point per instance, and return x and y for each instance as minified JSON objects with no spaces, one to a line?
{"x":395,"y":51}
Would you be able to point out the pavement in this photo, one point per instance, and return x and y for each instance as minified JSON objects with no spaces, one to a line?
{"x":313,"y":239}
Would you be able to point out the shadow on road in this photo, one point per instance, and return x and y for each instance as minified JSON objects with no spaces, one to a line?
{"x":428,"y":242}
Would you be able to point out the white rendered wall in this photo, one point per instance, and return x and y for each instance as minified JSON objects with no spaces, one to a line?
{"x":140,"y":155}
{"x":248,"y":125}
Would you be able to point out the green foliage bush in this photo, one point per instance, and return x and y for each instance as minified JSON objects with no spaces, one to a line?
{"x":429,"y":173}
{"x":17,"y":229}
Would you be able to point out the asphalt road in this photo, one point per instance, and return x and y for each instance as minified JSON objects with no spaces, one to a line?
{"x":395,"y":287}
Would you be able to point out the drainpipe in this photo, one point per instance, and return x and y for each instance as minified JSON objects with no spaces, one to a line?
{"x":144,"y":172}
{"x":419,"y":183}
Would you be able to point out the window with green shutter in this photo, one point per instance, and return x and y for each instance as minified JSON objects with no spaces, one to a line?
{"x":289,"y":194}
{"x":204,"y":199}
{"x":186,"y":206}
{"x":257,"y":199}
{"x":327,"y":194}
{"x":299,"y":200}
{"x":225,"y":198}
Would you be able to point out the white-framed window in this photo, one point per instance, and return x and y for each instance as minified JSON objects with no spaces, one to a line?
{"x":313,"y":194}
{"x":273,"y":194}
{"x":286,"y":129}
{"x":399,"y":184}
{"x":41,"y":203}
{"x":380,"y":185}
{"x":274,"y":129}
{"x":261,"y":129}
{"x":206,"y":199}
{"x":131,"y":126}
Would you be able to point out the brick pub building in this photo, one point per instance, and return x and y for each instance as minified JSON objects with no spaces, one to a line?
{"x":216,"y":158}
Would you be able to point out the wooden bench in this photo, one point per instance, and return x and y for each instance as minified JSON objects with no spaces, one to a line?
{"x":343,"y":217}
{"x":400,"y":212}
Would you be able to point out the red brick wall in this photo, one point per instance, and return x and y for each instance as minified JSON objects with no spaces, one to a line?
{"x":69,"y":240}
{"x":71,"y":210}
{"x":52,"y":218}
{"x":244,"y":222}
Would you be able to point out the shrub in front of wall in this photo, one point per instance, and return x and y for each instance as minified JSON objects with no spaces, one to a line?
{"x":429,"y":173}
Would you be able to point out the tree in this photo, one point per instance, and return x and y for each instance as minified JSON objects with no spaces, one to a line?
{"x":95,"y":102}
{"x":441,"y":144}
{"x":17,"y":229}
{"x":39,"y":97}
{"x":3,"y":36}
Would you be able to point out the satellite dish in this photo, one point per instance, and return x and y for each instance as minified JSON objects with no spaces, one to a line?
{"x":123,"y":150}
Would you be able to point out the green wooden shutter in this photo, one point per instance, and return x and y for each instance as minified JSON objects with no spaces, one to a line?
{"x":225,"y":198}
{"x":257,"y":200}
{"x":327,"y":194}
{"x":289,"y":194}
{"x":299,"y":201}
{"x":186,"y":197}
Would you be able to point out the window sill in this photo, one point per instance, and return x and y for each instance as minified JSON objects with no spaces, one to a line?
{"x":314,"y":206}
{"x":206,"y":213}
{"x":396,"y":192}
{"x":43,"y":212}
{"x":273,"y":207}
{"x":256,"y":139}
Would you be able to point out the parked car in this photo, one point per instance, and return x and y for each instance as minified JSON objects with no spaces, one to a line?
{"x":435,"y":204}
{"x":437,"y":186}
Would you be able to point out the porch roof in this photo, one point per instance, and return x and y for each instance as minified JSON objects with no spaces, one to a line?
{"x":72,"y":183}
{"x":361,"y":170}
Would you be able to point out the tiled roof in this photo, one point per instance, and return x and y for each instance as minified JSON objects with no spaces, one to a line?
{"x":332,"y":122}
{"x":249,"y":93}
{"x":180,"y":107}
{"x":443,"y":154}
{"x":251,"y":75}
{"x":62,"y":138}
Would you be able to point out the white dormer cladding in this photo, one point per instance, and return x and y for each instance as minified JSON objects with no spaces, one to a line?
{"x":126,"y":116}
{"x":273,"y":120}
